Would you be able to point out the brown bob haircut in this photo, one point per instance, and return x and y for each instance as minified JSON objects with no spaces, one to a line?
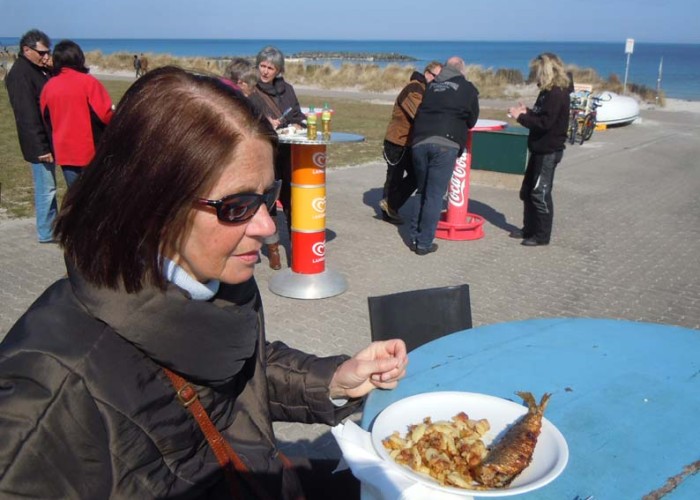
{"x":172,"y":135}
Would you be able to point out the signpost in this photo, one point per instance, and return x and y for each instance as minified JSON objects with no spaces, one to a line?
{"x":629,"y":48}
{"x":658,"y":79}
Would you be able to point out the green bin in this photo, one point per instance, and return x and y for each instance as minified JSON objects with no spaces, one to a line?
{"x":500,"y":150}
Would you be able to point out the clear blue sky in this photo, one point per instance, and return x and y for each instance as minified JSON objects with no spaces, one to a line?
{"x":546,"y":20}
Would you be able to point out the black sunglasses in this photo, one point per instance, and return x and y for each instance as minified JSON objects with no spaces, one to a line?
{"x":42,"y":53}
{"x":243,"y":206}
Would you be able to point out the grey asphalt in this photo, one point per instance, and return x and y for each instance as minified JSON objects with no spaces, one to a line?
{"x":626,"y":244}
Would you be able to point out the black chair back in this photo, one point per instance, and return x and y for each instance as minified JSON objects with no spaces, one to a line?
{"x":419,"y":316}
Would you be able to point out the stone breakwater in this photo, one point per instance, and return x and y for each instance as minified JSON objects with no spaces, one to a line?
{"x":354,"y":56}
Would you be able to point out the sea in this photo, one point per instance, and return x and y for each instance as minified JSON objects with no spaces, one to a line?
{"x":675,"y":68}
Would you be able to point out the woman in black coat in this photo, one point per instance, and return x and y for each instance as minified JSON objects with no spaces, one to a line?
{"x":278,"y":101}
{"x":105,"y":380}
{"x":547,"y":121}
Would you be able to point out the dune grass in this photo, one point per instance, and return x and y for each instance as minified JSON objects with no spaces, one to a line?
{"x":492,"y":83}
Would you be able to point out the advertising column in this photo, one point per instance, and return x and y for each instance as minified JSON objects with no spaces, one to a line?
{"x":308,"y":277}
{"x":309,"y":212}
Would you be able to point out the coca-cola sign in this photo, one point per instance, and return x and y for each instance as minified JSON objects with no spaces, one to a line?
{"x":458,"y":182}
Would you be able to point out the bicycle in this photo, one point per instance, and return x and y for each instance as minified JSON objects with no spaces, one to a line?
{"x":590,"y":120}
{"x":575,"y":119}
{"x":583,"y":119}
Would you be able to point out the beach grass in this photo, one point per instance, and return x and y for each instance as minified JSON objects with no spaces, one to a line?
{"x":370,"y":77}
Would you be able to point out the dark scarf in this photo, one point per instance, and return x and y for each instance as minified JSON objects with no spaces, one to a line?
{"x":207,"y":342}
{"x":274,"y":89}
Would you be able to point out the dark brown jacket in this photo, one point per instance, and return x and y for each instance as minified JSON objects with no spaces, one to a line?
{"x":404,"y":111}
{"x":86,"y":410}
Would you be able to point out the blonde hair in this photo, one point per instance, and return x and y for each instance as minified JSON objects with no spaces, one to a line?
{"x":548,"y":71}
{"x":432,"y":66}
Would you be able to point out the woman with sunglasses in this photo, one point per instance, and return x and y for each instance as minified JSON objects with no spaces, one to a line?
{"x":145,"y":373}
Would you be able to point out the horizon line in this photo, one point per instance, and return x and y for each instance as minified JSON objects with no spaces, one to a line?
{"x":621,"y":41}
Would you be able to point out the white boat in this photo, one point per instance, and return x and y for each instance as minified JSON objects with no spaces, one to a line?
{"x":615,"y":109}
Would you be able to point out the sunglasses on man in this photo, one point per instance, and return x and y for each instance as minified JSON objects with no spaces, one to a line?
{"x":42,"y":53}
{"x":243,"y":206}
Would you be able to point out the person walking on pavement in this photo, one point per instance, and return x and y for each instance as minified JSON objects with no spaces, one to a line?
{"x":547,"y":121}
{"x":137,"y":65}
{"x":24,"y":83}
{"x":449,"y":109}
{"x":144,"y":64}
{"x":400,"y":179}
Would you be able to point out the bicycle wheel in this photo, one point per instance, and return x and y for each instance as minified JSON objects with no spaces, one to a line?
{"x":587,"y":127}
{"x":573,"y":128}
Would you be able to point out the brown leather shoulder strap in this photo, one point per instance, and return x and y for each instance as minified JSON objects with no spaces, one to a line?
{"x":226,"y":456}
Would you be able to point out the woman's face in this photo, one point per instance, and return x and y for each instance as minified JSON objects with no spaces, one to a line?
{"x":223,"y":251}
{"x":268,"y":71}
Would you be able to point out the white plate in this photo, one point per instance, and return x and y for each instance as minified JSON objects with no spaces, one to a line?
{"x":549,"y":460}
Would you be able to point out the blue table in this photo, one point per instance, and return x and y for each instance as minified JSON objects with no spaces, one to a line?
{"x":626,"y":396}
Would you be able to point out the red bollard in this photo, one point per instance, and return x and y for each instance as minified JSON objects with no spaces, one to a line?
{"x":456,"y":223}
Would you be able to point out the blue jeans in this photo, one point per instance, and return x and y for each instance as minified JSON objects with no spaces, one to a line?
{"x":45,"y":205}
{"x":71,"y":174}
{"x":433,"y":165}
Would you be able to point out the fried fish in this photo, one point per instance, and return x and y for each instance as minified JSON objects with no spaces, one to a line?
{"x":513,"y":452}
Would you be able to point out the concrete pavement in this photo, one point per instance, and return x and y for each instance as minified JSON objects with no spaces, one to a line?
{"x":626,"y":244}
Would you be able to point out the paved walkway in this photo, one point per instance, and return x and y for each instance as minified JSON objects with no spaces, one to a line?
{"x":626,"y":244}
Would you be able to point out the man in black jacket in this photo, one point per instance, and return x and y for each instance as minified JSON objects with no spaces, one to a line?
{"x":24,"y":82}
{"x":449,"y":109}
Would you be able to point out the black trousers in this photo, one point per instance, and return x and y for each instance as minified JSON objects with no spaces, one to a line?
{"x":283,"y":172}
{"x":400,"y":180}
{"x":536,"y":193}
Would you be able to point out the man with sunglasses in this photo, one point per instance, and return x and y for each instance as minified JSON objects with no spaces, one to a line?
{"x":24,"y":83}
{"x":400,"y":180}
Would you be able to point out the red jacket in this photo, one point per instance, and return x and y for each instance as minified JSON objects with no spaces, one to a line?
{"x":70,"y":102}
